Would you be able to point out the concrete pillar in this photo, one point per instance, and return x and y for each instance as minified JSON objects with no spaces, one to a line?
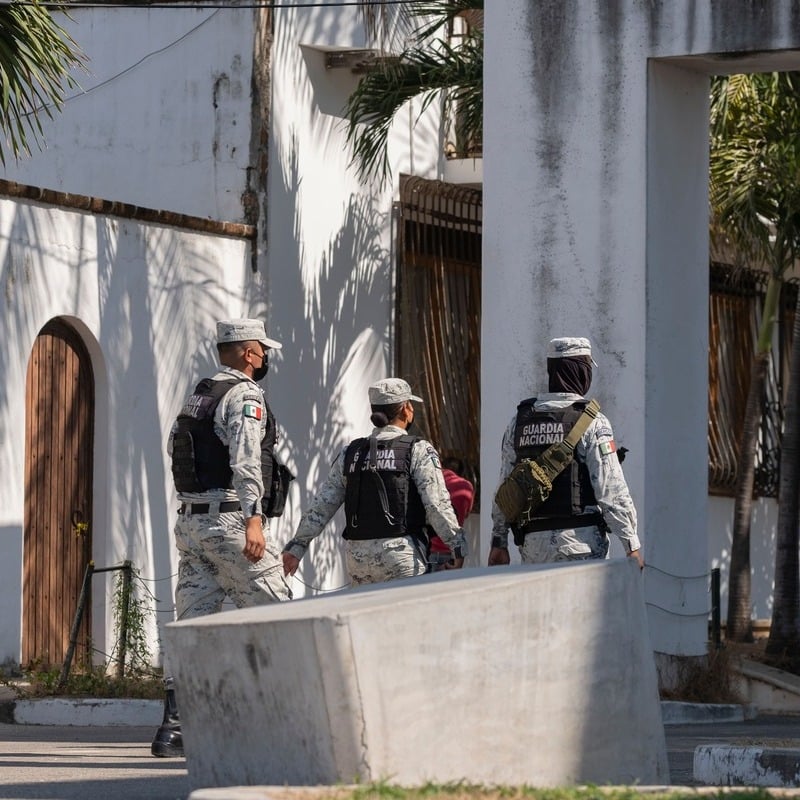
{"x":595,"y":224}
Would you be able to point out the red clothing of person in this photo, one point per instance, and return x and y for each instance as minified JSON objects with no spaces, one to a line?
{"x":462,"y":496}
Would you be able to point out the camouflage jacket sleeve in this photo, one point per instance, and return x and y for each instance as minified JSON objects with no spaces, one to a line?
{"x":426,"y":472}
{"x":240,"y":422}
{"x":327,"y":502}
{"x":507,"y":459}
{"x":598,"y":451}
{"x":171,"y":437}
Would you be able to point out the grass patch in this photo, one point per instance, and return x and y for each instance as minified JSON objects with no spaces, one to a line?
{"x":463,"y":791}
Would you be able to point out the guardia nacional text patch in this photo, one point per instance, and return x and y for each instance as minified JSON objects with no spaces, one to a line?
{"x":252,"y":411}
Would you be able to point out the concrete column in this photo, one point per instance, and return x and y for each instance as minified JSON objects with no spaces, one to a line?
{"x":676,"y":347}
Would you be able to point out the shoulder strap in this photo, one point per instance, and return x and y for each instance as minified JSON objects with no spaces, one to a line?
{"x":553,"y":460}
{"x":217,"y":389}
{"x":579,"y":428}
{"x":372,"y":469}
{"x":376,"y":476}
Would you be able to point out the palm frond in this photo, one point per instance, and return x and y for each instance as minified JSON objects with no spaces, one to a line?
{"x":439,"y":14}
{"x":36,"y":56}
{"x":755,"y":166}
{"x":430,"y":71}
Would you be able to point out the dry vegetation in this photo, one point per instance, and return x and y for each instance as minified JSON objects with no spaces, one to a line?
{"x":714,"y":680}
{"x":710,"y":680}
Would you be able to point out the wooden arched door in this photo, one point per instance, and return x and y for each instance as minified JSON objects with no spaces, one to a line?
{"x":59,"y":445}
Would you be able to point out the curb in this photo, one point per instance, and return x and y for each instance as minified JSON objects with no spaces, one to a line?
{"x":678,"y":713}
{"x":136,"y":712}
{"x":83,"y":712}
{"x":724,"y":765}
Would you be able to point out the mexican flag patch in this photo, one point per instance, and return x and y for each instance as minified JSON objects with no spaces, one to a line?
{"x":252,"y":411}
{"x":607,"y":448}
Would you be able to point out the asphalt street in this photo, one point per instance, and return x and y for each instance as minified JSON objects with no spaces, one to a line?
{"x":767,"y":731}
{"x":56,"y":762}
{"x":88,"y":763}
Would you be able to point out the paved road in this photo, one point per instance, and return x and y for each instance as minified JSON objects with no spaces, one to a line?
{"x":49,"y":762}
{"x":86,"y":763}
{"x":769,"y":731}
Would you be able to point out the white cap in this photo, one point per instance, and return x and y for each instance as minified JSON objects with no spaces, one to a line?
{"x":390,"y":391}
{"x":568,"y":346}
{"x":245,"y":330}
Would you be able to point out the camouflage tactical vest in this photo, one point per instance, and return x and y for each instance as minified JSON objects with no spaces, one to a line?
{"x":572,"y":491}
{"x":384,"y":502}
{"x":200,"y":460}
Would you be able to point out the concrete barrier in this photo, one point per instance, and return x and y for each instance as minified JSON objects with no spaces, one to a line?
{"x":726,"y":765}
{"x":514,"y":675}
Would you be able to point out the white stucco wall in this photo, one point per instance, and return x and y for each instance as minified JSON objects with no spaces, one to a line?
{"x":762,"y":551}
{"x":161,"y":119}
{"x":330,"y":262}
{"x":144,"y":299}
{"x":164,"y":122}
{"x":594,"y":224}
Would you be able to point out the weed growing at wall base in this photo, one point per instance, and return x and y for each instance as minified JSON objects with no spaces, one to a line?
{"x":131,"y":616}
{"x":85,"y":682}
{"x":126,"y":671}
{"x":708,"y":679}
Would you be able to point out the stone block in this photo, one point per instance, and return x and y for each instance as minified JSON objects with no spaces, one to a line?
{"x":517,"y":675}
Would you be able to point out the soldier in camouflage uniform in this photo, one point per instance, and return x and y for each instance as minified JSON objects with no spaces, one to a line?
{"x":221,"y":448}
{"x":590,"y":498}
{"x":392,"y":487}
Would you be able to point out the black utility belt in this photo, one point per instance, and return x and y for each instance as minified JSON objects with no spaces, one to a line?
{"x":210,"y":508}
{"x":558,"y":523}
{"x":366,"y":537}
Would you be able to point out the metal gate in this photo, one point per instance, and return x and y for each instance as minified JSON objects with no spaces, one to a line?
{"x":438,"y":313}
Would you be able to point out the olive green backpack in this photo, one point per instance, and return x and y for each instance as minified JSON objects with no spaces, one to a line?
{"x":529,"y":484}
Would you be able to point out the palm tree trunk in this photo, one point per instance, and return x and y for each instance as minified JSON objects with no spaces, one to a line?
{"x":784,"y":632}
{"x":739,"y":624}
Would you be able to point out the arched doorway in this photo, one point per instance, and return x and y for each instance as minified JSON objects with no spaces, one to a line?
{"x":59,"y":445}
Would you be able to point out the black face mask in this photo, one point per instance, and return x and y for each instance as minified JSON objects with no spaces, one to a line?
{"x":259,"y":373}
{"x":572,"y":374}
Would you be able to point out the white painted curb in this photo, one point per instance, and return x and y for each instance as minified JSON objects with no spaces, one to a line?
{"x":679,"y":713}
{"x":724,"y":765}
{"x":89,"y":711}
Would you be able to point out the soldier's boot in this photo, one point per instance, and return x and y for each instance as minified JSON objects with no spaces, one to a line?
{"x":168,"y":741}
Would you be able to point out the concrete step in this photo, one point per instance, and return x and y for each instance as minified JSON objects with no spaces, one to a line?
{"x":771,"y":690}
